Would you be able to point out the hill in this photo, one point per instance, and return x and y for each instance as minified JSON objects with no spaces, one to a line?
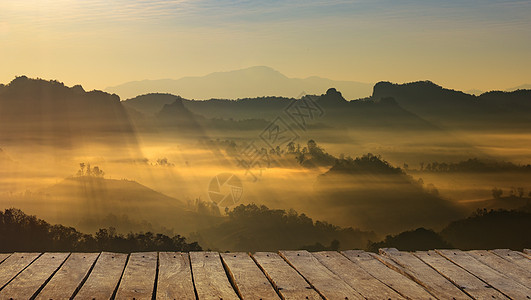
{"x":336,"y":109}
{"x":85,"y":201}
{"x":371,"y":194}
{"x":250,"y":82}
{"x":455,"y":109}
{"x":20,"y":232}
{"x":48,"y":112}
{"x":258,"y":228}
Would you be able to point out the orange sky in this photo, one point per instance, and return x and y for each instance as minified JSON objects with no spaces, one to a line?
{"x":458,"y":44}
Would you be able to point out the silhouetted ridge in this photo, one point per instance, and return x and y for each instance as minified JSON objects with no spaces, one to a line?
{"x":151,"y":103}
{"x":331,"y":97}
{"x":514,"y":101}
{"x":420,"y":92}
{"x":37,"y":109}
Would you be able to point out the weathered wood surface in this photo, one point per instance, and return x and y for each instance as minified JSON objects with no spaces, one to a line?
{"x":286,"y":280}
{"x":69,"y":277}
{"x":469,"y":283}
{"x":210,"y":279}
{"x":325,"y":282}
{"x":502,"y":283}
{"x":138,"y":280}
{"x":32,"y":278}
{"x":3,"y":256}
{"x":424,"y":275}
{"x":13,"y":265}
{"x":249,"y":280}
{"x":503,"y":266}
{"x":368,"y":286}
{"x":514,"y":257}
{"x":104,"y":278}
{"x":353,"y":274}
{"x":175,"y":277}
{"x":391,"y":278}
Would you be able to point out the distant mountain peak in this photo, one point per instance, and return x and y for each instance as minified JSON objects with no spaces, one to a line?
{"x":250,"y":82}
{"x":332,"y":96}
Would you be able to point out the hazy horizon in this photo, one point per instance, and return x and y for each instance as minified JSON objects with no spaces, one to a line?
{"x":460,"y":45}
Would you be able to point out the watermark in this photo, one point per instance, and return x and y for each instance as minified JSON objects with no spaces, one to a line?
{"x":255,"y":157}
{"x":225,"y":189}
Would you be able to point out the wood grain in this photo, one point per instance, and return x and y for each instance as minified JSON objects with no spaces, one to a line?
{"x":355,"y":276}
{"x":249,"y":280}
{"x":398,"y":282}
{"x":104,"y":278}
{"x":32,"y":278}
{"x":211,"y":281}
{"x":503,"y":266}
{"x":138,"y":280}
{"x":469,"y":283}
{"x":502,"y":283}
{"x":286,"y":280}
{"x":68,"y":278}
{"x":424,"y":275}
{"x":13,"y":265}
{"x":175,"y":276}
{"x":328,"y":284}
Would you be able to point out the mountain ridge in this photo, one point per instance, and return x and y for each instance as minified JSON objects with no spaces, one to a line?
{"x":249,"y":82}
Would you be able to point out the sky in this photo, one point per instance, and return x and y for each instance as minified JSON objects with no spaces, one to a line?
{"x":468,"y":44}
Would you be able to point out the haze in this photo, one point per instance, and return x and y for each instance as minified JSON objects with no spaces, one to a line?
{"x":463,"y":45}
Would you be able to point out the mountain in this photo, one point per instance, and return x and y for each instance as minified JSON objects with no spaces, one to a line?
{"x":245,"y":83}
{"x":520,"y":87}
{"x":150,"y":104}
{"x":258,"y":228}
{"x":48,"y":112}
{"x":368,"y":192}
{"x":363,"y":113}
{"x":84,"y":200}
{"x":455,"y":109}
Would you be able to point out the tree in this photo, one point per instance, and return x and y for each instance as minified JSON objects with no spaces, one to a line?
{"x":520,"y":191}
{"x":496,"y":193}
{"x":291,"y":147}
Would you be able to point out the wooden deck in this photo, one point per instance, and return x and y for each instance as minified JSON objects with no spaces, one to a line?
{"x":353,"y":274}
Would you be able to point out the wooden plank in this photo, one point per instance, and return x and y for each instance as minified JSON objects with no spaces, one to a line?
{"x":325,"y":282}
{"x":459,"y":276}
{"x":210,"y":279}
{"x":248,"y":279}
{"x":361,"y":281}
{"x":514,"y":257}
{"x":104,"y":277}
{"x":398,"y":282}
{"x":288,"y":283}
{"x":502,"y":283}
{"x":503,"y":266}
{"x":423,"y":274}
{"x":175,"y":277}
{"x":68,"y":279}
{"x":29,"y":281}
{"x":138,"y":280}
{"x":3,"y":256}
{"x":13,"y":265}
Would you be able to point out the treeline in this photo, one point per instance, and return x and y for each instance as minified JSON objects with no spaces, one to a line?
{"x":484,"y":229}
{"x":474,"y":165}
{"x":20,"y":232}
{"x":258,"y":228}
